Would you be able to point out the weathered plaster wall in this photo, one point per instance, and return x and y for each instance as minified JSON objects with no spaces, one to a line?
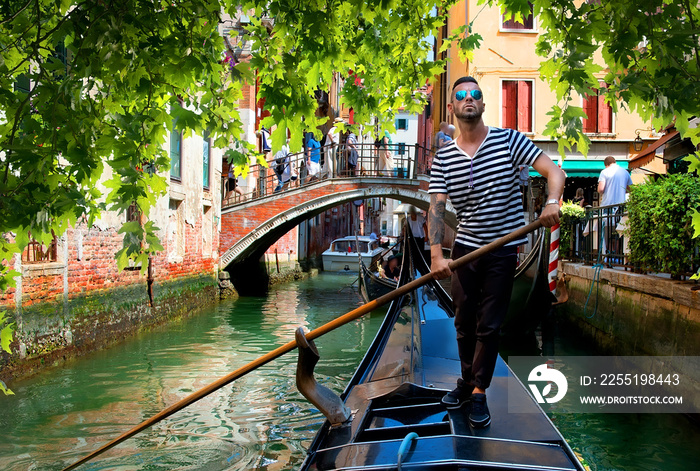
{"x":82,"y":302}
{"x":637,"y":314}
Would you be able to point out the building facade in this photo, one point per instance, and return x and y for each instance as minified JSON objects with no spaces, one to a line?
{"x":71,"y":295}
{"x":507,"y":68}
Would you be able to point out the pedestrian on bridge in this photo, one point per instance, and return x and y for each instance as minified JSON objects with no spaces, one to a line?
{"x":352,"y":153}
{"x":451,"y":130}
{"x":441,"y":138}
{"x":283,"y":167}
{"x":385,"y":163}
{"x":331,"y":146}
{"x":313,"y":157}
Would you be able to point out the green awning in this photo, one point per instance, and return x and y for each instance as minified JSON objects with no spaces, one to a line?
{"x":582,"y":168}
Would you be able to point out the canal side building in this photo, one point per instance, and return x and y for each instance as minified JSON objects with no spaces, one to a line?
{"x":507,"y":68}
{"x":70,"y":297}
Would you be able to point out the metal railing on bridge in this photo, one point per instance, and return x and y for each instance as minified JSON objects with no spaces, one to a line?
{"x":406,"y":162}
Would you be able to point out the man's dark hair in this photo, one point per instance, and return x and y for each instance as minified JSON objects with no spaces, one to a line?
{"x":461,"y":80}
{"x":609,"y":160}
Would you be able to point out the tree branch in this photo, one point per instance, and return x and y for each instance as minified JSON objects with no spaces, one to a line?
{"x":695,"y":37}
{"x":11,"y":18}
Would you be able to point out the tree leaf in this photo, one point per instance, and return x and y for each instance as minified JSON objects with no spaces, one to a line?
{"x":5,"y":389}
{"x":6,"y":337}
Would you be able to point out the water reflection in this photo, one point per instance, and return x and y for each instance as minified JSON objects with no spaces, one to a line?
{"x":258,"y":422}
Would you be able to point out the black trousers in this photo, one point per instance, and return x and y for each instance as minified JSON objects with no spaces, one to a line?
{"x":480,"y":296}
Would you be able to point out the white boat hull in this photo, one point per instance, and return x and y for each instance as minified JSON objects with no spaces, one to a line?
{"x":346,"y":262}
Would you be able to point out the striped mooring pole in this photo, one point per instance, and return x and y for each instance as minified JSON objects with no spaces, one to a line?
{"x":553,"y":257}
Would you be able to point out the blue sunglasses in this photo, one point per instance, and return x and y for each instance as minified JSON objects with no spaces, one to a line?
{"x":462,"y":94}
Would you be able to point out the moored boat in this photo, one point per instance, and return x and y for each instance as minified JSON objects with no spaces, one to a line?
{"x":342,"y":255}
{"x":373,"y":286}
{"x":394,"y":418}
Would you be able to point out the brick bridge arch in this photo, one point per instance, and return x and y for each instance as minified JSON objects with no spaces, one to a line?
{"x":248,"y":229}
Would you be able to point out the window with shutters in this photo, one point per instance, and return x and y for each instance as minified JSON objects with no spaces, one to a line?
{"x":599,"y":114}
{"x":175,"y":153}
{"x":527,"y":24}
{"x":401,"y":124}
{"x":517,"y":105}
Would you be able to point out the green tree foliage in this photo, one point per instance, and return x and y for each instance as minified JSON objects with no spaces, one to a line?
{"x":6,"y":329}
{"x":89,"y":89}
{"x":380,"y":48}
{"x":89,"y":86}
{"x":661,"y":223}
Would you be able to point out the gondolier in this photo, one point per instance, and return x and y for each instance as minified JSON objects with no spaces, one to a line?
{"x":479,"y":172}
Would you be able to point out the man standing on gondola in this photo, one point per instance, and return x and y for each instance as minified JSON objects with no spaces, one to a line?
{"x":479,"y":172}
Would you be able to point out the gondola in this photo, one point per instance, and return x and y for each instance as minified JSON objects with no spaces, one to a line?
{"x":530,"y":298}
{"x":393,"y":418}
{"x":373,"y":286}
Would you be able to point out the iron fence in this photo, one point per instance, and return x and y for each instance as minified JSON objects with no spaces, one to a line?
{"x":598,"y":238}
{"x":404,"y":162}
{"x":601,"y":238}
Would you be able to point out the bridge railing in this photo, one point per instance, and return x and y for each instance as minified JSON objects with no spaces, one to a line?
{"x":406,"y":162}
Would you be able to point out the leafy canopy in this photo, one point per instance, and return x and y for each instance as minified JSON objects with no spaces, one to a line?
{"x":89,"y":89}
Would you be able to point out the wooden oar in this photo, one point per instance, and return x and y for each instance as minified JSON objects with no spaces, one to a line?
{"x":314,"y":334}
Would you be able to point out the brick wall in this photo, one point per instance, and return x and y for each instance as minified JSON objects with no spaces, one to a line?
{"x":236,"y":224}
{"x":82,"y":301}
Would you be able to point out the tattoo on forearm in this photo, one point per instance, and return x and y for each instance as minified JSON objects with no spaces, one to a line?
{"x":436,"y":221}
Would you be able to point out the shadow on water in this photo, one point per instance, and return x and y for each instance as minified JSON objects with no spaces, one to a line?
{"x":611,"y":442}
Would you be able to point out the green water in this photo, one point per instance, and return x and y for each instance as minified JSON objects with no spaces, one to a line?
{"x":626,"y":442}
{"x":260,"y":421}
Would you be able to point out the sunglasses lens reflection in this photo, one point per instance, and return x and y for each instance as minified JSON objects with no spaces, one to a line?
{"x":462,"y":94}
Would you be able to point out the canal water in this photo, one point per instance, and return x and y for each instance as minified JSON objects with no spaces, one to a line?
{"x":259,"y":421}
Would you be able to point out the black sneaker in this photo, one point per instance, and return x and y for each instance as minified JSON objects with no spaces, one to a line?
{"x":458,"y":396}
{"x":479,"y":416}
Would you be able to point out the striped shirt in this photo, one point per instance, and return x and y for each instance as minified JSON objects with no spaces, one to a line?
{"x":484,"y":190}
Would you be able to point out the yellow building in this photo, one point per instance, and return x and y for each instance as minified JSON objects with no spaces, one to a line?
{"x":507,"y":68}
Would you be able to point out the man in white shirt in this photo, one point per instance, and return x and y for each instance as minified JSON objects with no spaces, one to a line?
{"x":614,"y":183}
{"x":331,"y":147}
{"x":418,"y":226}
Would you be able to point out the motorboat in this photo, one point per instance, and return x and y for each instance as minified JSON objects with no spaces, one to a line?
{"x":342,"y":255}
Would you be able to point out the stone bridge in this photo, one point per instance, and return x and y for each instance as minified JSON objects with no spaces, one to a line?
{"x":249,"y":228}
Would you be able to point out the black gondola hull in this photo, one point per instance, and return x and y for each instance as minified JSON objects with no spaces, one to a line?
{"x":396,"y":392}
